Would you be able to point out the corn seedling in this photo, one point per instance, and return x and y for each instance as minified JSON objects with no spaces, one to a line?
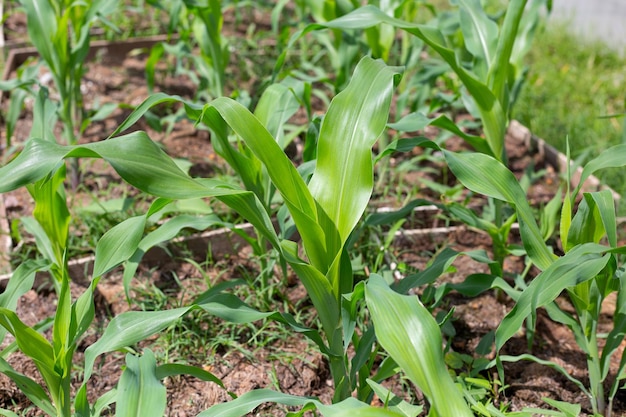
{"x":199,"y":24}
{"x":60,"y":31}
{"x":496,"y":56}
{"x":324,"y":222}
{"x":589,"y":271}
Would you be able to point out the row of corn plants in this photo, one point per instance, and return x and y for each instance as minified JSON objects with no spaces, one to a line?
{"x":323,"y":200}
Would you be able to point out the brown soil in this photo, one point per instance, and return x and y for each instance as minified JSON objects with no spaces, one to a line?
{"x":289,"y":363}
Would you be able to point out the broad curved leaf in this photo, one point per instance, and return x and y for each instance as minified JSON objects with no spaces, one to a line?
{"x":411,"y":336}
{"x":139,"y":390}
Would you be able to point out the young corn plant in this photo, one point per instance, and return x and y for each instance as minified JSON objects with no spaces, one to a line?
{"x":60,"y":31}
{"x":140,"y":391}
{"x":491,"y":77}
{"x":199,"y":23}
{"x":588,"y":272}
{"x":325,"y":212}
{"x":327,"y":209}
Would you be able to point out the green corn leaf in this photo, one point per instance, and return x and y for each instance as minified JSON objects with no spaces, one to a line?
{"x":418,"y":121}
{"x":411,"y":336}
{"x":147,"y":104}
{"x":284,"y":175}
{"x":613,"y":157}
{"x":594,"y":219}
{"x":501,"y":184}
{"x":616,"y":335}
{"x":103,"y":402}
{"x":20,"y":283}
{"x":342,"y":182}
{"x":568,"y":409}
{"x":606,"y":208}
{"x":35,"y":346}
{"x":499,"y":71}
{"x":275,"y":107}
{"x":252,"y":399}
{"x":174,"y":369}
{"x":579,"y":265}
{"x":118,"y":244}
{"x":44,"y":117}
{"x":144,"y":165}
{"x":139,"y":390}
{"x":129,"y":328}
{"x":549,"y":216}
{"x":393,"y":402}
{"x":83,"y":312}
{"x":28,"y":387}
{"x":480,"y":33}
{"x":163,"y":233}
{"x":491,"y":112}
{"x":42,"y":27}
{"x":318,"y":287}
{"x":51,"y":211}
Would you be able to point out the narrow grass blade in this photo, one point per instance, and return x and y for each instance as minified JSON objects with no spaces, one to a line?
{"x":139,"y":390}
{"x":411,"y":336}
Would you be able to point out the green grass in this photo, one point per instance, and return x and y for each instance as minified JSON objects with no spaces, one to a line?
{"x":571,"y":85}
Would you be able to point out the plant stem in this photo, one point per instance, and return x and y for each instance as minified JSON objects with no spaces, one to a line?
{"x":339,"y":368}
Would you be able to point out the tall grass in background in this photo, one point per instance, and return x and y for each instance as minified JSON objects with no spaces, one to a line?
{"x":571,"y":85}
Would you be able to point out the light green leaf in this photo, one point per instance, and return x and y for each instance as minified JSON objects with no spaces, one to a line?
{"x":118,"y":244}
{"x":28,"y":387}
{"x":20,"y":283}
{"x":579,"y":265}
{"x":491,"y":112}
{"x":163,"y":233}
{"x":139,"y":390}
{"x":394,"y":402}
{"x":480,"y":33}
{"x":129,"y":328}
{"x":411,"y":336}
{"x":470,"y":169}
{"x":284,"y":175}
{"x":252,"y":399}
{"x":33,"y":345}
{"x":174,"y":369}
{"x":613,"y":157}
{"x":343,"y":178}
